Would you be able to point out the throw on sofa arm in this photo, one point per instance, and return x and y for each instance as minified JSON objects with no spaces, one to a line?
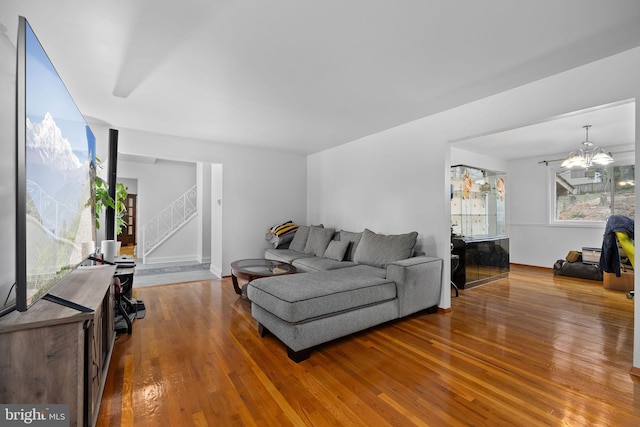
{"x":418,"y":281}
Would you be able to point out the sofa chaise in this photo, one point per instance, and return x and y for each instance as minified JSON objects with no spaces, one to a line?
{"x":347,"y":282}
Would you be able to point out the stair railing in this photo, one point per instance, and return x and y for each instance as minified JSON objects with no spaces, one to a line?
{"x":169,"y":220}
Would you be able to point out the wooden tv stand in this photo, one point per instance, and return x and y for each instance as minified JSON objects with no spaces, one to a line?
{"x":52,"y":354}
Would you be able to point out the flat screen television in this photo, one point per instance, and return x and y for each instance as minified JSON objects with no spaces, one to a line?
{"x":55,"y":170}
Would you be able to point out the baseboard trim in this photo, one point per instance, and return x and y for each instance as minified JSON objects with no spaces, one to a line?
{"x":532,"y":266}
{"x":170,"y":259}
{"x":216,"y":271}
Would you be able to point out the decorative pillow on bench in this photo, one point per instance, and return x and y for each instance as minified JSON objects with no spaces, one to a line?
{"x":378,"y":250}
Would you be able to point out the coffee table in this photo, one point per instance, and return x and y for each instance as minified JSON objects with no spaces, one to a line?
{"x":251,"y":269}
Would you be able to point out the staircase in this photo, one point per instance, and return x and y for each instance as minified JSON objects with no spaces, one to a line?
{"x":168,"y":221}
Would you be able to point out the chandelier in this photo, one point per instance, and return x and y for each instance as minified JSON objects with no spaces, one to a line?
{"x":589,"y":155}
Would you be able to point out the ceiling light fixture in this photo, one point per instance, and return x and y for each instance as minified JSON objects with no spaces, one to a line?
{"x":589,"y":155}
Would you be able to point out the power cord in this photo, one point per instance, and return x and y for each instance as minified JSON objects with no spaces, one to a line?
{"x":9,"y":294}
{"x":7,"y":310}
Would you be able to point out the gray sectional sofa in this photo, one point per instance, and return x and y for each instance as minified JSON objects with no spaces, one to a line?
{"x":346,"y":282}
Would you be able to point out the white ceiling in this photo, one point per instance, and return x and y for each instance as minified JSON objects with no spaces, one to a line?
{"x":308,"y":75}
{"x":612,"y":126}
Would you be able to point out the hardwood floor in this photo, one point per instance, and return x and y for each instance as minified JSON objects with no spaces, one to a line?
{"x":529,"y":350}
{"x":127,"y":250}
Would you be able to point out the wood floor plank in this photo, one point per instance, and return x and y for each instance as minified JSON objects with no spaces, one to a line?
{"x":532,"y":349}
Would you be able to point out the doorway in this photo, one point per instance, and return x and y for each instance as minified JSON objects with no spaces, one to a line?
{"x":128,"y":237}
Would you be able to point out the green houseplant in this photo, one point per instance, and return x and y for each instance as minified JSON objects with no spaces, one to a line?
{"x":104,"y":200}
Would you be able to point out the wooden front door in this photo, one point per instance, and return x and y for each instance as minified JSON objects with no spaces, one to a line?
{"x":128,"y":235}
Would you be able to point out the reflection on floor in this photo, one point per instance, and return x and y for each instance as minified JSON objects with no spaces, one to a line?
{"x":129,"y":250}
{"x":166,"y":273}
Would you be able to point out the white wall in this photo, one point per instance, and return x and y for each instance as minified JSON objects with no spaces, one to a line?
{"x":480,"y":161}
{"x":398,"y":180}
{"x":260,"y":187}
{"x":534,"y":241}
{"x":204,"y":222}
{"x":131,"y":184}
{"x":636,"y":307}
{"x":159,"y":184}
{"x":217,"y":176}
{"x":180,"y":246}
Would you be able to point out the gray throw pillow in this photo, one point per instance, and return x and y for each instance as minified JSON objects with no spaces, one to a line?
{"x":379,"y":250}
{"x":336,"y":249}
{"x":318,"y":240}
{"x":299,"y":241}
{"x":282,"y":240}
{"x":352,"y":237}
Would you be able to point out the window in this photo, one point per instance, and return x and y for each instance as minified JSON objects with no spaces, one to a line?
{"x":593,"y":194}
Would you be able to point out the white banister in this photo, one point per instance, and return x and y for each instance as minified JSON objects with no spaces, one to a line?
{"x":169,"y":220}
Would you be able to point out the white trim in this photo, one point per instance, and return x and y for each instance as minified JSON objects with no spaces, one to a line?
{"x":169,"y":259}
{"x":216,"y":271}
{"x":585,"y":224}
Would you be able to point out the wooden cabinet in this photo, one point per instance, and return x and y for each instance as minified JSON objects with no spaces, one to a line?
{"x":52,"y":354}
{"x":481,"y":260}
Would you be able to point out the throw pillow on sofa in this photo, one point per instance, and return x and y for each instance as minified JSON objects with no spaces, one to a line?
{"x":318,"y":240}
{"x":281,"y":240}
{"x":379,"y":250}
{"x":276,"y":227}
{"x":299,"y":240}
{"x":280,"y":235}
{"x":354,"y":239}
{"x":285,"y":228}
{"x":336,"y":249}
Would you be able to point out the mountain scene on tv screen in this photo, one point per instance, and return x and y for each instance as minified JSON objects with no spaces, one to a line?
{"x":58,"y":202}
